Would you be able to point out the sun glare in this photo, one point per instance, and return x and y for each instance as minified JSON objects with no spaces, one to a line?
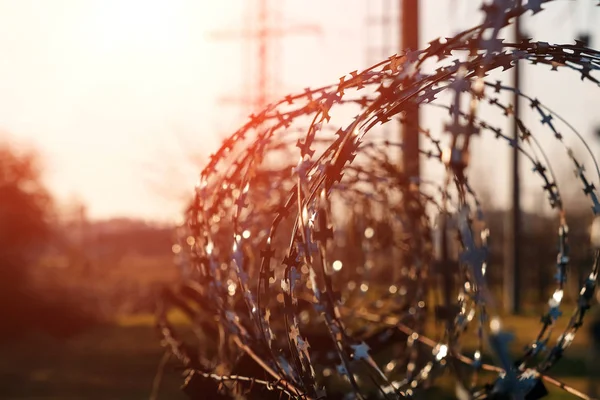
{"x":118,"y":24}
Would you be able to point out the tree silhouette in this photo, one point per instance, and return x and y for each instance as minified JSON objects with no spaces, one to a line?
{"x":26,"y":209}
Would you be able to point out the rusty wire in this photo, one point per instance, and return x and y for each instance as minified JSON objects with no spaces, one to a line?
{"x":299,"y":228}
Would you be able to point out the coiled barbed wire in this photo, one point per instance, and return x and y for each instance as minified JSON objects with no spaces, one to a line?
{"x":319,"y":269}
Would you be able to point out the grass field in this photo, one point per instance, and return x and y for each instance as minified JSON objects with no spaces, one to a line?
{"x":119,"y":361}
{"x":111,"y":362}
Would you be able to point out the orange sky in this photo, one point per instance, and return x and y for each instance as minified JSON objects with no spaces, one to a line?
{"x":118,"y":94}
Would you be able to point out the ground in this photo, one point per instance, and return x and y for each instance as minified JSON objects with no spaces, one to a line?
{"x":111,"y":362}
{"x":119,"y":361}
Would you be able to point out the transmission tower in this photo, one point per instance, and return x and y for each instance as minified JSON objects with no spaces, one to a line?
{"x":263,"y":19}
{"x":381,"y":31}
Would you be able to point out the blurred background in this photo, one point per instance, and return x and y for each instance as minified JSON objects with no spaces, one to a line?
{"x":108,"y":109}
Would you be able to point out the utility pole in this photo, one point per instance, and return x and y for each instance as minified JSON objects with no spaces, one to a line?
{"x":262,"y":14}
{"x":409,"y":40}
{"x":409,"y":130}
{"x":512,"y":281}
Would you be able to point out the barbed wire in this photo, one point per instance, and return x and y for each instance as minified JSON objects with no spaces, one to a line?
{"x":299,"y":229}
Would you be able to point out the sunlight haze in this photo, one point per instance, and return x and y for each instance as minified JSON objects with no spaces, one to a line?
{"x":119,"y":96}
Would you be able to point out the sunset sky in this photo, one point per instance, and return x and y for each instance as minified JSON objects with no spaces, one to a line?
{"x":119,"y":96}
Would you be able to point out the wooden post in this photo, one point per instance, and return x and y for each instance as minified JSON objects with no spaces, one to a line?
{"x":512,"y":298}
